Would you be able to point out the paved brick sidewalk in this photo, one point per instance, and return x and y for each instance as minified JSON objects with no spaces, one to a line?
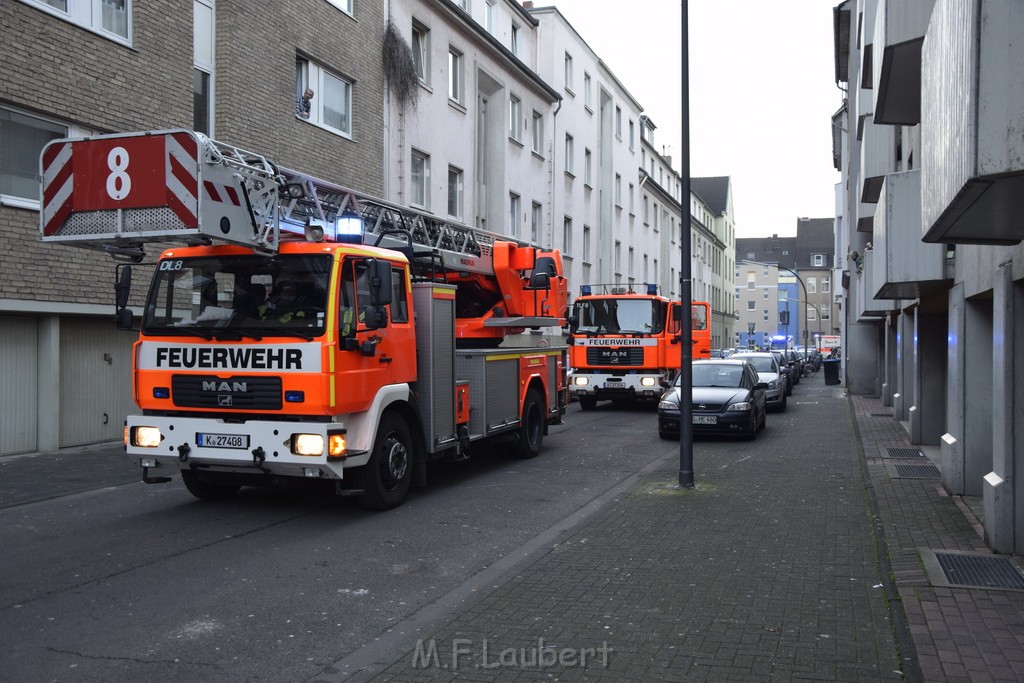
{"x":960,"y":634}
{"x":768,"y":569}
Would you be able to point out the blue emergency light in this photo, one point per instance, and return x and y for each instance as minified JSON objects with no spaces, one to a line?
{"x":350,"y":227}
{"x":585,"y":290}
{"x":652,"y":289}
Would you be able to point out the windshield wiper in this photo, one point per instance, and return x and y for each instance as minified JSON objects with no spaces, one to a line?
{"x":234,"y":335}
{"x":285,"y":332}
{"x":178,"y":332}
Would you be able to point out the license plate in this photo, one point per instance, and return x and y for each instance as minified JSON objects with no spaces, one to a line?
{"x":613,"y":385}
{"x":223,"y":440}
{"x":705,"y":419}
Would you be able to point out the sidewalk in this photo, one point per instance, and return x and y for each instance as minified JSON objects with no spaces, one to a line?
{"x":796,"y":556}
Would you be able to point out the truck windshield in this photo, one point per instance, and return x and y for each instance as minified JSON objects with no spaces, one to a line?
{"x":237,"y":296}
{"x":619,"y":316}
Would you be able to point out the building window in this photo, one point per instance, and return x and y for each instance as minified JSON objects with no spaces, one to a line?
{"x":586,"y":90}
{"x":632,"y":205}
{"x":569,"y":167}
{"x":109,"y":18}
{"x":587,"y":160}
{"x":331,"y":106}
{"x":826,"y":286}
{"x":826,"y":314}
{"x":344,"y":5}
{"x":538,"y":133}
{"x":201,"y":101}
{"x":765,"y":293}
{"x":645,"y":268}
{"x":420,"y":179}
{"x":618,"y":257}
{"x":489,"y":16}
{"x":618,"y":122}
{"x":618,"y":190}
{"x":513,"y":214}
{"x":515,"y":40}
{"x":629,"y":263}
{"x":454,"y":74}
{"x":818,"y":260}
{"x":535,"y":221}
{"x":812,"y":315}
{"x":566,"y":235}
{"x":645,"y":211}
{"x":421,"y":51}
{"x":586,"y":243}
{"x":751,"y":284}
{"x":22,"y":139}
{"x":812,"y":285}
{"x":514,"y":108}
{"x":568,"y":72}
{"x":632,"y":134}
{"x":455,"y":192}
{"x":203,"y":61}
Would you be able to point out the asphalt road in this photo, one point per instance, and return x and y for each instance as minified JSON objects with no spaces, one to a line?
{"x":107,"y":578}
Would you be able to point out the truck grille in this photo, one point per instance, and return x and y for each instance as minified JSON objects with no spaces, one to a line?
{"x":601,"y":356}
{"x":247,"y":393}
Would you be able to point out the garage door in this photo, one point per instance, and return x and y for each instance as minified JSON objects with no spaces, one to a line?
{"x":95,"y":380}
{"x":18,"y":339}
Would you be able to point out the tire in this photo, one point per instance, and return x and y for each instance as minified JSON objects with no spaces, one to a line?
{"x":668,"y":436}
{"x":530,"y":435}
{"x":588,"y":402}
{"x":751,"y":432}
{"x":386,"y":478}
{"x":785,"y":401}
{"x":204,"y":490}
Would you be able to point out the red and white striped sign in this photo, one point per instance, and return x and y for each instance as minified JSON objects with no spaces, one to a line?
{"x":121,"y":172}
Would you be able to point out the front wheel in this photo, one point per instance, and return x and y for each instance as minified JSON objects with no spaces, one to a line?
{"x":385,"y":479}
{"x":531,"y":426}
{"x":588,"y":402}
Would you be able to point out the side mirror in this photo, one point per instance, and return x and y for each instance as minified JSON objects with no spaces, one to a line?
{"x":540,"y":281}
{"x":123,"y":287}
{"x":379,"y":274}
{"x":374,"y":317}
{"x":124,"y":318}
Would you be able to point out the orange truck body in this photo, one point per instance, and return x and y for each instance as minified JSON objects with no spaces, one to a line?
{"x":393,"y":356}
{"x":624,"y":344}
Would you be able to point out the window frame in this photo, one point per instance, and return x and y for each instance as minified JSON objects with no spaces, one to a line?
{"x":420,"y":44}
{"x":459,"y":188}
{"x":314,"y":75}
{"x":515,"y":113}
{"x":537,"y":133}
{"x":456,"y":81}
{"x":514,"y":207}
{"x":420,"y":185}
{"x":570,"y":165}
{"x":84,"y":14}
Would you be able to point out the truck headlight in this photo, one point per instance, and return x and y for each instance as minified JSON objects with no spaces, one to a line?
{"x":307,"y":444}
{"x":580,"y":381}
{"x":647,"y":381}
{"x":144,"y":437}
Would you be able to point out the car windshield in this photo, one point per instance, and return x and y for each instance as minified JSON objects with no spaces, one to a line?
{"x":760,"y":363}
{"x":715,"y":375}
{"x":233,"y":296}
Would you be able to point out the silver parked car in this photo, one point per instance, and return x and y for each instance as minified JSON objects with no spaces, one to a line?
{"x":768,"y":369}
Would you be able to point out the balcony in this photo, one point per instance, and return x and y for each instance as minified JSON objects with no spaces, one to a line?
{"x":900,"y":27}
{"x":972,"y":114}
{"x":904,"y":267}
{"x":867,"y":306}
{"x":877,"y":158}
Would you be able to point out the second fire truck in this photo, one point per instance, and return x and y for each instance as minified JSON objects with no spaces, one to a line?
{"x":624,"y":342}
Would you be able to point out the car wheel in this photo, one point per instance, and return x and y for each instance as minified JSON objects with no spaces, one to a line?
{"x":782,"y":406}
{"x":751,"y":432}
{"x":531,"y":429}
{"x":668,"y":436}
{"x":588,"y":402}
{"x":385,"y":479}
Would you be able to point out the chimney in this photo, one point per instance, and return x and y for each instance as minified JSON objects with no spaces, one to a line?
{"x":528,"y":4}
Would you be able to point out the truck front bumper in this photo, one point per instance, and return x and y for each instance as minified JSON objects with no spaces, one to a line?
{"x":596,"y":385}
{"x":173,"y":444}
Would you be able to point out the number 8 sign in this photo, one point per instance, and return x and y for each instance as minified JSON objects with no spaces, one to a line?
{"x":120,"y":173}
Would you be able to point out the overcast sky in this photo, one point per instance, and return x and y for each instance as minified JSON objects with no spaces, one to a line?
{"x":762,"y":94}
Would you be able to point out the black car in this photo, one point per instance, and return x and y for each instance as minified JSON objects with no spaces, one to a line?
{"x":728,"y":398}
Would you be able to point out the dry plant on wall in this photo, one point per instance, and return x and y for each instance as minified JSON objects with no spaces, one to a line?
{"x":399,"y":68}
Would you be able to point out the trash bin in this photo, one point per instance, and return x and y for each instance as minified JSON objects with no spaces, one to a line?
{"x":831,"y":366}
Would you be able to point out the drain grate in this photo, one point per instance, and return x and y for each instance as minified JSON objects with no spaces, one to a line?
{"x":917,"y":471}
{"x":905,"y":453}
{"x":980,"y":571}
{"x":880,"y":414}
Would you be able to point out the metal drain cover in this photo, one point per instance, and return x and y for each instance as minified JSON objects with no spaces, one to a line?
{"x":905,"y":453}
{"x":880,"y":414}
{"x":917,"y":471}
{"x":972,"y":570}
